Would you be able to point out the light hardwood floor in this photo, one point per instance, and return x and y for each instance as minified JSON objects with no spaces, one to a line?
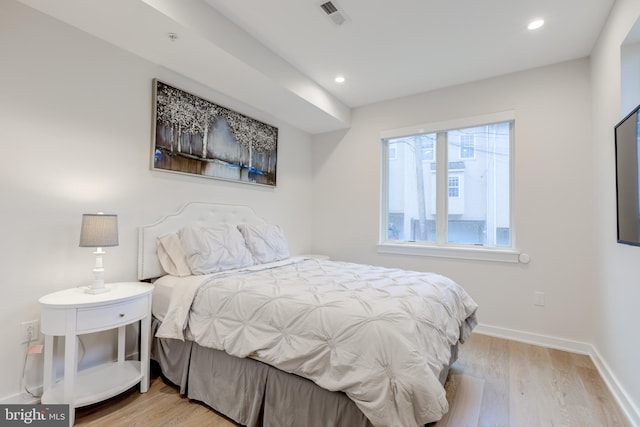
{"x":514,"y":385}
{"x":527,"y":385}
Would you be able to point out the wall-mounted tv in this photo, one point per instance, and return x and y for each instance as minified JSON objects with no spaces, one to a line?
{"x":627,"y":178}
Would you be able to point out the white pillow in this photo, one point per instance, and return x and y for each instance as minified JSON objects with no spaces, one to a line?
{"x":266,"y":242}
{"x":171,"y":255}
{"x":209,"y":250}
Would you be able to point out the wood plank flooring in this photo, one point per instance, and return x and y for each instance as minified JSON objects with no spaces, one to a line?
{"x":505,"y":383}
{"x":527,"y":385}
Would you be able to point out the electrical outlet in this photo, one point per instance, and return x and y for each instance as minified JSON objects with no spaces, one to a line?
{"x":538,"y":299}
{"x":29,"y":331}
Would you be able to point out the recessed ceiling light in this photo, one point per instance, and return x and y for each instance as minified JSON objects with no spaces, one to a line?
{"x":534,"y":25}
{"x":340,"y":79}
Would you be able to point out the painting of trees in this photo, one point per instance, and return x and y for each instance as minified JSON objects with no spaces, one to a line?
{"x":193,"y":135}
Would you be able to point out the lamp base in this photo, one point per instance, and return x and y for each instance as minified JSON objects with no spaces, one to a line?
{"x":97,"y":286}
{"x":92,"y":290}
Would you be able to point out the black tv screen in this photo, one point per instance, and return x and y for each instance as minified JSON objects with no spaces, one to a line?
{"x":627,"y":184}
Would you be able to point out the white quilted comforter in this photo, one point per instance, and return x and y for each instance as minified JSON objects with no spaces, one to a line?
{"x":380,"y":335}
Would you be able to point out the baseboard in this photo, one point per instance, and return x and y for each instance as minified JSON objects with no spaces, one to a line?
{"x":22,"y":398}
{"x":536,"y":339}
{"x":627,"y":405}
{"x":630,"y":408}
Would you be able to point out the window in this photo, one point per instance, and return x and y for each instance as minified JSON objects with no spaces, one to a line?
{"x":427,"y":147}
{"x":467,"y":146}
{"x":452,"y":187}
{"x":392,"y":152}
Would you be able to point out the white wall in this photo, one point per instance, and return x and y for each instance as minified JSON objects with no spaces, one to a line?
{"x":553,"y":185}
{"x":630,"y":82}
{"x":618,"y":278}
{"x":75,"y":120}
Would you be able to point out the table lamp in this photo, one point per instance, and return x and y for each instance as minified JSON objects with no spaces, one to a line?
{"x":98,"y":231}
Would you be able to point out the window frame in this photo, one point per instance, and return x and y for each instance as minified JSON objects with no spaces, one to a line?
{"x":441,"y":248}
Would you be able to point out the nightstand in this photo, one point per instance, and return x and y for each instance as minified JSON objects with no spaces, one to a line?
{"x":73,"y":312}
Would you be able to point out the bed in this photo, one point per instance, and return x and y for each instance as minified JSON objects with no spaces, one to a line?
{"x":274,"y":340}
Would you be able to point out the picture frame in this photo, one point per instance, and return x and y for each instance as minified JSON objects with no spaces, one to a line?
{"x":194,"y":136}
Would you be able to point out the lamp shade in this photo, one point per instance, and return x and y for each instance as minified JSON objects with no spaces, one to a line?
{"x":99,"y":230}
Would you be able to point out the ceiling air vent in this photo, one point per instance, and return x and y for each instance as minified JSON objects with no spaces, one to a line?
{"x":332,"y":12}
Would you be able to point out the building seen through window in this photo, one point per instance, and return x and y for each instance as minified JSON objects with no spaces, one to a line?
{"x":474,"y":165}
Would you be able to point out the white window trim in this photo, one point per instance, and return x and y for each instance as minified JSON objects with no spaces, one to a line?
{"x":504,"y":116}
{"x":438,"y":249}
{"x":461,"y":252}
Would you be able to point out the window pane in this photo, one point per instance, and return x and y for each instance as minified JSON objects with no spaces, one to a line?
{"x":411,"y":188}
{"x":469,"y":206}
{"x":478,"y":203}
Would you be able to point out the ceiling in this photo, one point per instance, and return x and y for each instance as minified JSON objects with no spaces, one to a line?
{"x":281,"y":56}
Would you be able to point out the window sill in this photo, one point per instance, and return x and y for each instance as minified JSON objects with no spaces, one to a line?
{"x":471,"y":253}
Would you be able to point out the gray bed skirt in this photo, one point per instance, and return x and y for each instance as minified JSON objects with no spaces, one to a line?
{"x":253,"y":393}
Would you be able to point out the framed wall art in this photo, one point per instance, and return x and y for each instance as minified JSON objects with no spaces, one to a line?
{"x":198,"y":137}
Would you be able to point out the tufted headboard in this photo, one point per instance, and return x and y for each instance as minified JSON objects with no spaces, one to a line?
{"x":193,"y":213}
